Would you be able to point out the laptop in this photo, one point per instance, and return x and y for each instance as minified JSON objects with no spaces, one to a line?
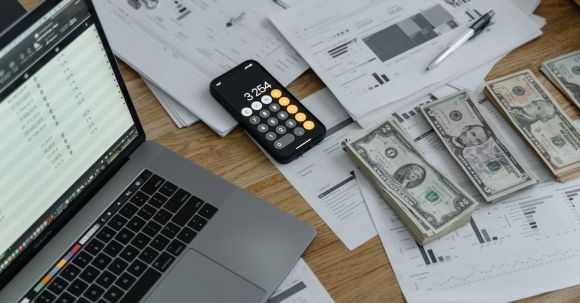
{"x":92,"y":212}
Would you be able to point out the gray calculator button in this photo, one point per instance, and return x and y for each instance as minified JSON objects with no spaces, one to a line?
{"x":270,"y":136}
{"x":281,"y":129}
{"x":274,"y":107}
{"x":246,"y":111}
{"x":282,"y":115}
{"x":262,"y":128}
{"x":265,"y":113}
{"x":266,"y":99}
{"x":299,"y":131}
{"x":290,"y":123}
{"x":256,"y":105}
{"x":284,"y":141}
{"x":254,"y":120}
{"x":272,"y":121}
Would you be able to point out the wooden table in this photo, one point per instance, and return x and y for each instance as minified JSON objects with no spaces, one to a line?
{"x":362,"y":275}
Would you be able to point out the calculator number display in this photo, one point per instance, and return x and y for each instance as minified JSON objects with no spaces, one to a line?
{"x":257,"y":91}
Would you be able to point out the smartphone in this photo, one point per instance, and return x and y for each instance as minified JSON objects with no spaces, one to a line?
{"x":274,"y":118}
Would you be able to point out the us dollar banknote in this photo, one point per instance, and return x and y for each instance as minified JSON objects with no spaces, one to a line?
{"x":480,"y":151}
{"x":402,"y":176}
{"x":564,"y":72}
{"x":539,"y":119}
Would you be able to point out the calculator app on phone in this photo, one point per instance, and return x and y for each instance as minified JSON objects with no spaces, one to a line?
{"x":272,"y":116}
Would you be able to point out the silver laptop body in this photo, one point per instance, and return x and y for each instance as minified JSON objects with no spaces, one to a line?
{"x":80,"y":177}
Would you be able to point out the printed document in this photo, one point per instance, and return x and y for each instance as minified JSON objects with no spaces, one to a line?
{"x":179,"y":114}
{"x":324,"y":176}
{"x":182,"y":45}
{"x":301,"y":286}
{"x":373,"y":53}
{"x":524,"y":245}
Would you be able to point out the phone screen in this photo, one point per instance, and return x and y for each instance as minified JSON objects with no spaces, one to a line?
{"x":274,"y":118}
{"x":247,"y":84}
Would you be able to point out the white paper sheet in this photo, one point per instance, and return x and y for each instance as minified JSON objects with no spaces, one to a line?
{"x":521,"y":246}
{"x":301,"y":286}
{"x":179,"y":114}
{"x":324,"y":175}
{"x":347,"y":44}
{"x":182,"y":45}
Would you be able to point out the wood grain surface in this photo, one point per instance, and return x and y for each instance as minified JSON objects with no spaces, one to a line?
{"x":362,"y":275}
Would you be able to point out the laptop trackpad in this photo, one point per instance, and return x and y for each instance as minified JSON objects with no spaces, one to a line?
{"x":195,"y":278}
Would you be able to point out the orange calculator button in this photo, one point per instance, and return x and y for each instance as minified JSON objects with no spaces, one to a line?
{"x":308,"y":125}
{"x":284,"y":101}
{"x":300,"y":117}
{"x":276,"y":93}
{"x":292,"y":109}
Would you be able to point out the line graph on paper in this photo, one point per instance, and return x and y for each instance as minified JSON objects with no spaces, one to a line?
{"x":529,"y":233}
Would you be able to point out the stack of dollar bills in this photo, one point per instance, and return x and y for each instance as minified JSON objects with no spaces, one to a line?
{"x":480,"y":150}
{"x":564,"y":72}
{"x":426,"y":200}
{"x":536,"y":116}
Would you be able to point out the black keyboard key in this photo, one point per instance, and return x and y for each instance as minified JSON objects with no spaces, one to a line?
{"x":94,"y":247}
{"x":118,"y":266}
{"x":94,"y":292}
{"x":139,"y":198}
{"x":106,"y":234}
{"x":45,"y":297}
{"x":142,"y":286}
{"x":163,"y":262}
{"x":162,"y":216}
{"x":114,"y":294}
{"x":148,"y":255}
{"x":177,"y":200}
{"x":114,"y":248}
{"x":90,"y":274}
{"x":82,"y":259}
{"x":65,"y":298}
{"x":136,"y":224}
{"x":83,"y":300}
{"x":141,"y":240}
{"x":186,"y":235}
{"x":124,"y":236}
{"x":153,"y":184}
{"x":175,"y":247}
{"x":208,"y":211}
{"x":157,"y":200}
{"x":101,"y":261}
{"x":147,"y":212}
{"x":125,"y":281}
{"x":129,"y":210}
{"x":70,"y":272}
{"x":137,"y":268}
{"x":197,"y":223}
{"x":77,"y":287}
{"x":170,"y":230}
{"x":106,"y":279}
{"x":117,"y":222}
{"x":146,"y":174}
{"x":197,"y":202}
{"x":152,"y":228}
{"x":58,"y":285}
{"x":184,"y":214}
{"x":168,"y":189}
{"x":160,"y":242}
{"x":129,"y":253}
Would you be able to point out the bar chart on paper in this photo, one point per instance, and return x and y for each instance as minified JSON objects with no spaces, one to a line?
{"x":531,"y":233}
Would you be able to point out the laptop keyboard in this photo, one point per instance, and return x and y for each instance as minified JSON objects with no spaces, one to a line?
{"x":128,"y":248}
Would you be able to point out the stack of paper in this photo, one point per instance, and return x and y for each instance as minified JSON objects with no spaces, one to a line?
{"x":373,"y":54}
{"x":180,"y":46}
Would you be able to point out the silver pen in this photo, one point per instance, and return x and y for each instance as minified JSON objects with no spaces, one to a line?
{"x":475,"y":29}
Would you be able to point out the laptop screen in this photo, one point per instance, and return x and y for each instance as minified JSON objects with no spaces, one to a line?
{"x":63,"y":120}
